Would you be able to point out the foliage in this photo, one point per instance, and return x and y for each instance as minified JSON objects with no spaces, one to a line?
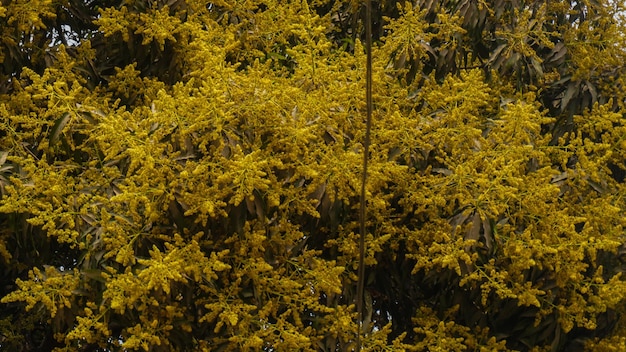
{"x":184,"y":175}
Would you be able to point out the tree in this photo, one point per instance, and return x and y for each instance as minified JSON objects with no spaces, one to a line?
{"x":184,"y":175}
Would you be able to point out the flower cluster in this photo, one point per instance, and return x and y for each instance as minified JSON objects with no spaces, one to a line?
{"x":205,"y":195}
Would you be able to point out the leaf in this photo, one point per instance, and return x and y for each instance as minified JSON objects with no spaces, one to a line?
{"x":474,"y":232}
{"x":319,"y":193}
{"x":400,"y":61}
{"x":495,"y":54}
{"x":572,"y":88}
{"x":260,"y":206}
{"x":428,"y":49}
{"x":599,"y":187}
{"x":93,"y":274}
{"x":560,"y":177}
{"x":443,"y":171}
{"x":58,"y":127}
{"x":592,"y":90}
{"x":459,"y":219}
{"x":558,"y":52}
{"x":537,"y":66}
{"x":393,"y":153}
{"x":488,"y":234}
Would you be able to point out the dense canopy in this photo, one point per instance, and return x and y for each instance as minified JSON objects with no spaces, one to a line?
{"x":184,"y":175}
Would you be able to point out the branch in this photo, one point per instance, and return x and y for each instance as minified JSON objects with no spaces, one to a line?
{"x":366,"y":146}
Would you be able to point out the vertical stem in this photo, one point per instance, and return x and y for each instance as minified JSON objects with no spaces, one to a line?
{"x":366,"y":145}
